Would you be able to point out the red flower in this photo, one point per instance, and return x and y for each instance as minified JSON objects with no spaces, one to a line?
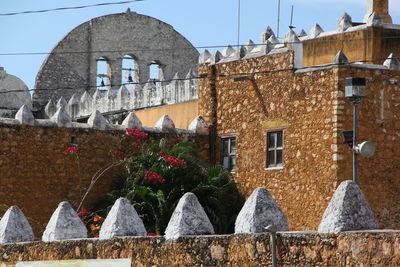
{"x":154,"y":177}
{"x":132,"y":133}
{"x":118,"y":152}
{"x":175,"y":162}
{"x":71,"y":150}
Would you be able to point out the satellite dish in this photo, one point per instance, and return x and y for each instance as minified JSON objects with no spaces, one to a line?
{"x":366,"y":149}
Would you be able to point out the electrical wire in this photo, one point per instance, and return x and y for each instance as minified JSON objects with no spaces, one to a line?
{"x":68,"y":8}
{"x":206,"y":76}
{"x":197,"y":47}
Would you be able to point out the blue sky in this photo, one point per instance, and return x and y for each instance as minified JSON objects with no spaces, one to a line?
{"x":203,"y":23}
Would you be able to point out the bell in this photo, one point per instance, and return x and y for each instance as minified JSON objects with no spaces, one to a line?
{"x":102,"y":83}
{"x":130,"y":79}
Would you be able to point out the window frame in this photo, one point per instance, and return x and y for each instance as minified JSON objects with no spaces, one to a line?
{"x":275,"y":148}
{"x":230,"y":154}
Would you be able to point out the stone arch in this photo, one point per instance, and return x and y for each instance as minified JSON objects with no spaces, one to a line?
{"x":111,"y":36}
{"x":103,"y":73}
{"x":130,"y":70}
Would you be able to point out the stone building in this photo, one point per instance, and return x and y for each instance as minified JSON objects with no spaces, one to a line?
{"x":129,"y":44}
{"x":285,"y":133}
{"x":13,"y":94}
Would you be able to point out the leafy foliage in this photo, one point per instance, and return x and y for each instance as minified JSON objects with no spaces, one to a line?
{"x":159,"y":176}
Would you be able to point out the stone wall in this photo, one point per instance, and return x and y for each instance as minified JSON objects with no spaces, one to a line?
{"x":301,"y":105}
{"x":309,"y":106}
{"x":379,"y":121}
{"x":36,"y":175}
{"x":71,"y":67}
{"x":293,"y":249}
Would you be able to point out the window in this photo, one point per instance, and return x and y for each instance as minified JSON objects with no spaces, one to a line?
{"x":228,"y":153}
{"x":274,"y":149}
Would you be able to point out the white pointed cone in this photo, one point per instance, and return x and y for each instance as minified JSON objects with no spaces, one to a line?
{"x":50,"y":108}
{"x":273,"y":40}
{"x":204,"y":57}
{"x":123,"y":91}
{"x":250,"y":46}
{"x":348,"y":210}
{"x":122,"y":220}
{"x":266,"y":34}
{"x":73,"y":100}
{"x":61,"y":117}
{"x":260,"y":210}
{"x":188,"y":218}
{"x":132,"y":121}
{"x":216,"y":57}
{"x":86,"y":97}
{"x":344,"y":22}
{"x":165,"y":124}
{"x":199,"y":126}
{"x":302,"y":33}
{"x":315,"y":31}
{"x":291,"y":37}
{"x":176,"y":77}
{"x":228,"y":51}
{"x":392,"y":62}
{"x":340,"y":58}
{"x":14,"y":227}
{"x":64,"y":224}
{"x":96,"y":120}
{"x":61,"y":102}
{"x":190,"y":74}
{"x":25,"y":116}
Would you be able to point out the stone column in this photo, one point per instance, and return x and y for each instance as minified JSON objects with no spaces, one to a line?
{"x":115,"y":72}
{"x":380,"y":7}
{"x":143,"y":72}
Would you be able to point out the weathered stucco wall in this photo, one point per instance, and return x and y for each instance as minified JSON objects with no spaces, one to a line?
{"x":36,"y":175}
{"x":371,"y":45}
{"x":182,"y":114}
{"x":310,"y":107}
{"x":294,"y":249}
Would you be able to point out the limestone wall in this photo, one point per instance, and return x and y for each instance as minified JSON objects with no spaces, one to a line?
{"x":36,"y":175}
{"x":300,"y":105}
{"x":294,"y":249}
{"x":310,"y":107}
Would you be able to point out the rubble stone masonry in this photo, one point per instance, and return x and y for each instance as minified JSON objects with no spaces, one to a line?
{"x":293,"y":249}
{"x":36,"y":175}
{"x":310,"y":107}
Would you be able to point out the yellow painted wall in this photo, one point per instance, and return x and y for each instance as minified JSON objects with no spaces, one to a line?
{"x":182,"y":114}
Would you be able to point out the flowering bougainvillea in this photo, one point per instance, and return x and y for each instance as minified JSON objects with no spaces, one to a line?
{"x":71,"y":150}
{"x":136,"y":134}
{"x":172,"y":160}
{"x":154,"y":177}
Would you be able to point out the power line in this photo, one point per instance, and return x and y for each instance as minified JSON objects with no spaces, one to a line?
{"x":204,"y":77}
{"x":68,"y":8}
{"x":197,"y":47}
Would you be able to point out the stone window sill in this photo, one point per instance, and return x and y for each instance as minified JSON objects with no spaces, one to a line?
{"x":274,"y":168}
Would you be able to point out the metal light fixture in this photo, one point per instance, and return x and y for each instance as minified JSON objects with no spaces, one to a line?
{"x":355,"y":90}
